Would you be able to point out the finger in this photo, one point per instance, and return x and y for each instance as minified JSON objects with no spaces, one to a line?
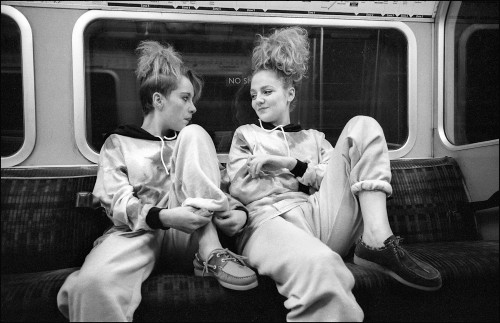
{"x":217,"y":220}
{"x":225,"y":221}
{"x":221,"y":215}
{"x":203,"y":212}
{"x":203,"y":220}
{"x":249,"y":160}
{"x":250,"y":169}
{"x":191,"y":209}
{"x":225,"y":225}
{"x":220,"y":223}
{"x":258,"y":167}
{"x":250,"y":165}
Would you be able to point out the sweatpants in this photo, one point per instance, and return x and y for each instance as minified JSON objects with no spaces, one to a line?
{"x":302,"y":249}
{"x":108,"y":285}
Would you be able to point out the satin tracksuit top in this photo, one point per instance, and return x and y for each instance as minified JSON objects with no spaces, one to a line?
{"x":275,"y":192}
{"x":132,"y":179}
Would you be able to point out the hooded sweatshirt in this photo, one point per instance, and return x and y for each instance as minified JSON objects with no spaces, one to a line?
{"x":134,"y":180}
{"x":275,"y":192}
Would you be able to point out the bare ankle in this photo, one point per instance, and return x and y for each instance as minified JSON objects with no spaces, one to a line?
{"x":376,"y":238}
{"x":208,"y":240}
{"x":205,"y":251}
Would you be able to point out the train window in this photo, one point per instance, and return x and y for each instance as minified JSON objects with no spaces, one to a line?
{"x":12,"y":88}
{"x":471,"y":108}
{"x":102,"y":89}
{"x":364,"y":73}
{"x":18,"y":109}
{"x":353,"y":70}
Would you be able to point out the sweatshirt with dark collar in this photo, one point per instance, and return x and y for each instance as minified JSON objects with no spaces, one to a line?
{"x":133,"y":180}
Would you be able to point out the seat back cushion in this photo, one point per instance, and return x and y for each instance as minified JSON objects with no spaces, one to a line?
{"x":41,"y":227}
{"x":428,"y":201}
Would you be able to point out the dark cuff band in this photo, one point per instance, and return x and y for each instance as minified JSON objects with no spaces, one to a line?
{"x":241,"y":208}
{"x":299,"y":169}
{"x":303,"y":188}
{"x":153,"y":219}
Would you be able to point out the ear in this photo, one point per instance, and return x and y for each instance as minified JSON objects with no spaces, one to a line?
{"x":157,"y":100}
{"x":291,"y":94}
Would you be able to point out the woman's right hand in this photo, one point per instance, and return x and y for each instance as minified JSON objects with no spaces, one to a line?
{"x":184,"y":218}
{"x":256,"y":163}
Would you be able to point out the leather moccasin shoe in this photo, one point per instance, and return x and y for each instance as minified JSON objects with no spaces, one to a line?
{"x":398,"y":263}
{"x":228,"y":268}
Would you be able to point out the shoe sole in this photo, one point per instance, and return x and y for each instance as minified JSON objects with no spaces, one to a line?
{"x":372,"y":265}
{"x":199,"y":273}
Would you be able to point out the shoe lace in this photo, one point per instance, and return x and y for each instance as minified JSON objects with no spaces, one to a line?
{"x":396,"y":248}
{"x":228,"y":256}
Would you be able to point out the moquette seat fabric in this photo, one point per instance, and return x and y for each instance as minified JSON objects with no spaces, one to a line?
{"x":49,"y":226}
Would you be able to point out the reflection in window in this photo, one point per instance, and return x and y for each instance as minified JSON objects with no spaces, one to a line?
{"x":12,"y":132}
{"x":101,"y":98}
{"x":352,"y":71}
{"x":364,"y":73}
{"x":473,"y":26}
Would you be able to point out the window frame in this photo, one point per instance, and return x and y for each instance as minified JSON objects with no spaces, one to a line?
{"x":446,"y":78}
{"x":79,"y":104}
{"x":28,"y":81}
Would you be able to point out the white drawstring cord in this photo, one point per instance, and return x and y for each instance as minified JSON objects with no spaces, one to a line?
{"x":282,"y":131}
{"x":161,"y":154}
{"x":161,"y":149}
{"x":171,"y":138}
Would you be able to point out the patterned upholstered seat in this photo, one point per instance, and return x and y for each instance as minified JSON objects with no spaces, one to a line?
{"x":45,"y":238}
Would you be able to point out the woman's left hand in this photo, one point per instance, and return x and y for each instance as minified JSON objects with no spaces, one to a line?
{"x":230,"y":222}
{"x":255,"y":163}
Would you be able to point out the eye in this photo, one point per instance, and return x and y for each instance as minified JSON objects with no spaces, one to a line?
{"x":253,"y":96}
{"x":267,"y":92}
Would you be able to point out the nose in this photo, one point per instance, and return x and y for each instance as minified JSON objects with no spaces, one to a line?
{"x":259,"y":99}
{"x":192,"y":109}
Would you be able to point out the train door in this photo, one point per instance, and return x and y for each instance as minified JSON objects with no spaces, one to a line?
{"x":466,"y":126}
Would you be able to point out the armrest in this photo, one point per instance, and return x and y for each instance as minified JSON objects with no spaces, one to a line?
{"x":486,"y":204}
{"x":468,"y":211}
{"x":89,"y":200}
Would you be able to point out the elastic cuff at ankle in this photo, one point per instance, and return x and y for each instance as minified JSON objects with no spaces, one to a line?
{"x":372,"y":185}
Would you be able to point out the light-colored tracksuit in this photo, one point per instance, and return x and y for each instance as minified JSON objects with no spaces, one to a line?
{"x":298,"y":238}
{"x":132,"y":178}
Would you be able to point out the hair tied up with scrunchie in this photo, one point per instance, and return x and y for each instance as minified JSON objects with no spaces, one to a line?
{"x":286,"y":51}
{"x":156,"y":59}
{"x":159,"y":69}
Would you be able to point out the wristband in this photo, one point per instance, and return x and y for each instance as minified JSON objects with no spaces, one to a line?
{"x":153,"y":219}
{"x":299,"y":169}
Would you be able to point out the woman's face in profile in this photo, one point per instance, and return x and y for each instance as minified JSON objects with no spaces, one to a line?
{"x":178,"y":106}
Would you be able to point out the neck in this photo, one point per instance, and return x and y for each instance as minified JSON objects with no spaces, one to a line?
{"x":151,"y":125}
{"x":282,"y":122}
{"x":284,"y":118}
